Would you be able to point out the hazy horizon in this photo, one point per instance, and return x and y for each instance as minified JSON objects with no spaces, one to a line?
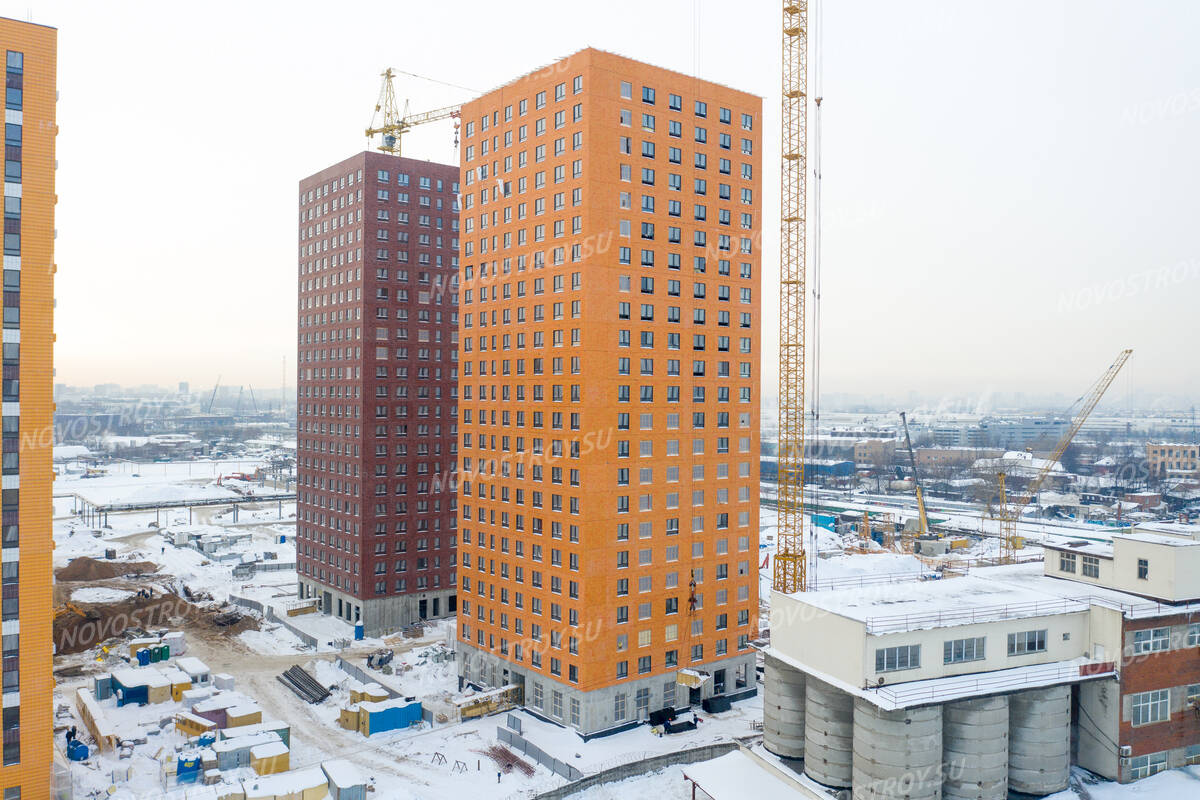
{"x":1009,"y":191}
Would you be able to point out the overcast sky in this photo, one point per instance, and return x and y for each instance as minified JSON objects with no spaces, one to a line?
{"x":1010,"y":189}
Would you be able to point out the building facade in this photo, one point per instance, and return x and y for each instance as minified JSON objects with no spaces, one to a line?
{"x":1167,"y":460}
{"x":997,"y":681}
{"x":610,"y":390}
{"x":377,"y":390}
{"x":30,"y":130}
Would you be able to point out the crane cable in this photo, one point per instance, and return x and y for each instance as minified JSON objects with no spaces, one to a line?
{"x":818,"y":25}
{"x":435,"y":80}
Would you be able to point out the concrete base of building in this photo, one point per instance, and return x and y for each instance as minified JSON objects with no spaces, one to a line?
{"x":383,"y":615}
{"x":599,"y":712}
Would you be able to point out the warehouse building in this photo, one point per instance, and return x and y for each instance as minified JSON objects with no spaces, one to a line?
{"x":997,"y":681}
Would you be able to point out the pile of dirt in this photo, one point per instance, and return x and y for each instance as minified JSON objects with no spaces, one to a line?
{"x":76,"y":632}
{"x":89,"y":569}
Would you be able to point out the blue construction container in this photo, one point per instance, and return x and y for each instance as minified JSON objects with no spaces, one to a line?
{"x":389,"y":716}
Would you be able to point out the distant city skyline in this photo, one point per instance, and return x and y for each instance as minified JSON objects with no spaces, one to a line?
{"x":1005,"y":205}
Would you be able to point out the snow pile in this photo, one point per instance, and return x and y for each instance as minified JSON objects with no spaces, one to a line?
{"x":273,"y":640}
{"x":99,"y":594}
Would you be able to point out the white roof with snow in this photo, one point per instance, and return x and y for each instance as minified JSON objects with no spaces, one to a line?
{"x":269,"y":750}
{"x":284,"y":783}
{"x":342,"y":774}
{"x":192,"y":665}
{"x":938,"y":604}
{"x":736,"y":776}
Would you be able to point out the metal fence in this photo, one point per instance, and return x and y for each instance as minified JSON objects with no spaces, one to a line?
{"x":640,"y":766}
{"x":519,"y":744}
{"x":969,"y":616}
{"x":270,"y":616}
{"x":362,"y":676}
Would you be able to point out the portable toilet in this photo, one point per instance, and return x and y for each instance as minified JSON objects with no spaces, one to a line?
{"x":187,"y":769}
{"x":102,"y":687}
{"x":358,"y":632}
{"x":154,"y":652}
{"x":164,"y":652}
{"x":143,"y":657}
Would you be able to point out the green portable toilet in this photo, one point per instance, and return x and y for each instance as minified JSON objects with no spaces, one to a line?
{"x":155,"y":655}
{"x":165,"y":652}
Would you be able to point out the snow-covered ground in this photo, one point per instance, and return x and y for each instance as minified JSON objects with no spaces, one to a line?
{"x":99,"y":594}
{"x":409,"y":764}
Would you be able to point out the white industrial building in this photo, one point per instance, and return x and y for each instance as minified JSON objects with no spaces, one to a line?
{"x":968,"y":687}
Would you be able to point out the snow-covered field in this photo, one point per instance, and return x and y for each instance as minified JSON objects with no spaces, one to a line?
{"x":404,"y":765}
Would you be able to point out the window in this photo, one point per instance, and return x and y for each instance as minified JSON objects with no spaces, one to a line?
{"x":958,"y":651}
{"x":1193,"y":635}
{"x":1152,"y":640}
{"x":1066,"y":562}
{"x":1143,"y":568}
{"x":1145,"y":766}
{"x":1150,"y":707}
{"x":892,"y":659}
{"x":1091,"y":567}
{"x":1026,"y":642}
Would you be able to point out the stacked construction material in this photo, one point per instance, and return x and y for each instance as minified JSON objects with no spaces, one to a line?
{"x":304,"y":685}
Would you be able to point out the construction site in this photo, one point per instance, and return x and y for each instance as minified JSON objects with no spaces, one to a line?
{"x":875,"y":619}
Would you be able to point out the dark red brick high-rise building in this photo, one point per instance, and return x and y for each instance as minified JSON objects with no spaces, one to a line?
{"x":377,"y":389}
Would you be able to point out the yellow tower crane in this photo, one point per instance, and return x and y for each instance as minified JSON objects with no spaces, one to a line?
{"x":790,"y":569}
{"x":395,"y":124}
{"x":1011,"y":508}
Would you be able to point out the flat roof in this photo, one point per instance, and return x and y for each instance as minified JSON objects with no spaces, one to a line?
{"x":1100,"y":549}
{"x":910,"y":694}
{"x":938,"y":603}
{"x":1178,"y":540}
{"x":1031,"y":577}
{"x":735,"y":776}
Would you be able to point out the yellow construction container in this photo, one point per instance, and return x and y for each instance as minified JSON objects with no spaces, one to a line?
{"x":269,"y":759}
{"x":960,"y":544}
{"x":141,"y":644}
{"x":158,"y":694}
{"x":1018,"y":542}
{"x":238,"y":716}
{"x":190,"y":724}
{"x":371,"y":693}
{"x":348,"y":719}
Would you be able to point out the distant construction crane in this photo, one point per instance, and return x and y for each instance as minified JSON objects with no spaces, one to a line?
{"x":912,"y":458}
{"x":790,"y":572}
{"x":1011,"y":508}
{"x":213,"y":399}
{"x":395,"y":123}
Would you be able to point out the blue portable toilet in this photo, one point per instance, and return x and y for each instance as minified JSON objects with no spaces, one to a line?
{"x":359,"y":632}
{"x":143,"y":657}
{"x":282,"y":538}
{"x":187,"y":770}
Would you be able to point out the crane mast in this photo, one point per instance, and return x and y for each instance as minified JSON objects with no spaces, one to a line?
{"x":912,"y":458}
{"x":790,"y":569}
{"x":395,"y":123}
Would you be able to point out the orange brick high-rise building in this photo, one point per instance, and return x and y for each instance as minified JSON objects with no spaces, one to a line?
{"x":609,"y":390}
{"x":29,"y":132}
